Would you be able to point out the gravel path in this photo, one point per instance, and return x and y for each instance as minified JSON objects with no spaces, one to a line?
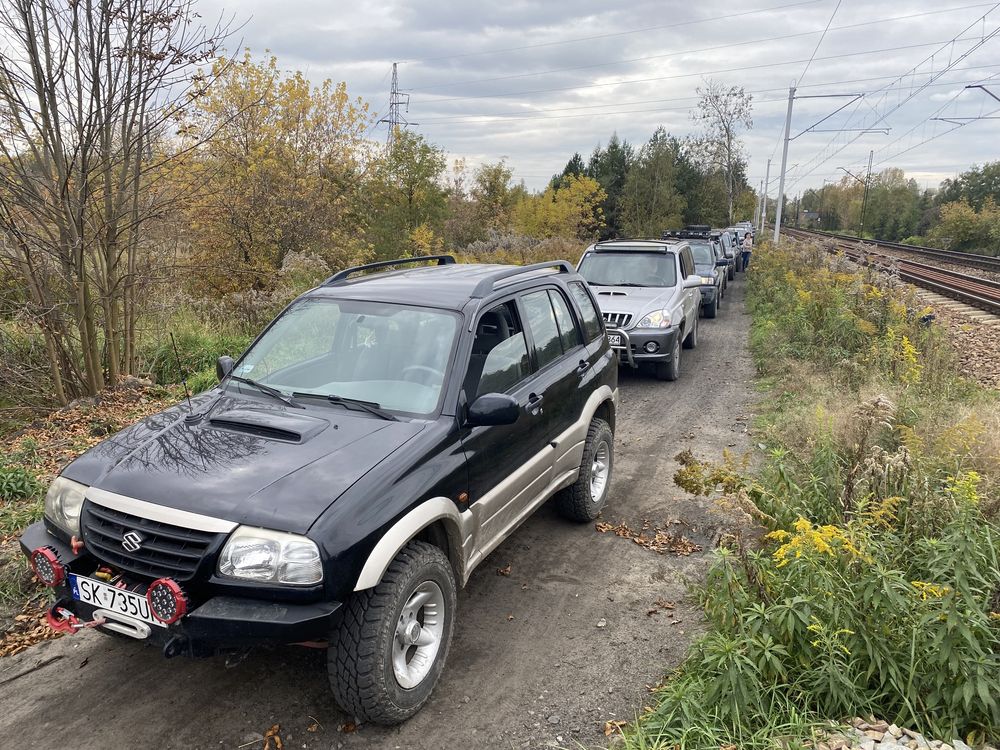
{"x":542,"y":656}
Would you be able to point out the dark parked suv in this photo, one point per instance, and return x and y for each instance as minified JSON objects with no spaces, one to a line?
{"x":364,"y":455}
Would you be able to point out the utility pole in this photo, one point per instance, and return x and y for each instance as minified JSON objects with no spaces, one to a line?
{"x":864,"y":200}
{"x":784,"y":164}
{"x":760,"y":204}
{"x":767,"y":185}
{"x":399,"y":103}
{"x":797,"y":211}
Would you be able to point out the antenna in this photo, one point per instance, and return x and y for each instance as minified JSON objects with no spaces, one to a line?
{"x":180,"y":369}
{"x":399,"y":103}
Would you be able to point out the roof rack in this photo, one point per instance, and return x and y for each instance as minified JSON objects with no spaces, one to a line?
{"x":687,"y":234}
{"x":698,"y":227}
{"x":488,"y":284}
{"x":442,"y":260}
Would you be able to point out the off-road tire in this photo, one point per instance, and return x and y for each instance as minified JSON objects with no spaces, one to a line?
{"x":691,"y":340}
{"x":712,"y":308}
{"x":359,"y":660}
{"x":671,"y":369}
{"x":739,"y":263}
{"x":731,"y":272}
{"x":576,"y":502}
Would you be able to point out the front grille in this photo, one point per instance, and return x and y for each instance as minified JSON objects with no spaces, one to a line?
{"x":617,"y":320}
{"x":165,"y":551}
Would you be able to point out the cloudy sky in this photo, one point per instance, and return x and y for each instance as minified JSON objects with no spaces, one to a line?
{"x":532,"y":82}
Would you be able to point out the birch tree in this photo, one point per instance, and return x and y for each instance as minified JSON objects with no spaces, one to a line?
{"x":91,"y":93}
{"x":724,"y":112}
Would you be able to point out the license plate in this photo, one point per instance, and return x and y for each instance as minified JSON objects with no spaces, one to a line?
{"x":100,"y":594}
{"x":615,"y":339}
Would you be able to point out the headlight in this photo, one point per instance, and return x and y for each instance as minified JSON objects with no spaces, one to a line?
{"x":271,"y":557}
{"x":63,"y":502}
{"x":655,"y":319}
{"x":707,"y":279}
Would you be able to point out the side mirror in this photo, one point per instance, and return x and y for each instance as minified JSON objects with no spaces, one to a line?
{"x":493,"y":409}
{"x":721,"y":262}
{"x":223,"y":366}
{"x":692,"y":281}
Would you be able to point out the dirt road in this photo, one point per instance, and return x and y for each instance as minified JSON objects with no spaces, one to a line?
{"x":542,"y":656}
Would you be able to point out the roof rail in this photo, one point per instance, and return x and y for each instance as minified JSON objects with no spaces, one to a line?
{"x":487,"y":285}
{"x":442,"y":260}
{"x":686,"y":234}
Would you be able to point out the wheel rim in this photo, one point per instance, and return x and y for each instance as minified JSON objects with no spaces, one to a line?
{"x":419,"y":631}
{"x":599,"y":471}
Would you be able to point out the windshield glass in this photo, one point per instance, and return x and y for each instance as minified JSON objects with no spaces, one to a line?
{"x":392,"y":355}
{"x":629,"y":268}
{"x":703,"y":253}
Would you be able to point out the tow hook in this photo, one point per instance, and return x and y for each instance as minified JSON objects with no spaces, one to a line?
{"x":61,"y":619}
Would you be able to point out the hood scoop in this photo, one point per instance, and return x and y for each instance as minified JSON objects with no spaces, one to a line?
{"x":271,"y":425}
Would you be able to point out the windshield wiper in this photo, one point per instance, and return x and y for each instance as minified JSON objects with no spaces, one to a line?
{"x":274,"y":392}
{"x":354,"y":403}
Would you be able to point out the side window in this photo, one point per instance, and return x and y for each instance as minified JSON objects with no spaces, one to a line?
{"x":499,"y":358}
{"x":542,"y":324}
{"x":592,"y":324}
{"x":568,"y":333}
{"x":682,"y":263}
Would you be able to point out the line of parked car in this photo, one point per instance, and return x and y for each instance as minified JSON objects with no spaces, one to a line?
{"x":653,"y":292}
{"x":368,"y":450}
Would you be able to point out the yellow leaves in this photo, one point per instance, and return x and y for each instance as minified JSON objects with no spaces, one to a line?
{"x":571,"y":210}
{"x":930,"y":590}
{"x":964,"y":489}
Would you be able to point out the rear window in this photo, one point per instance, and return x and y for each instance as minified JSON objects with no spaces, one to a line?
{"x":593,"y":326}
{"x":702,"y":252}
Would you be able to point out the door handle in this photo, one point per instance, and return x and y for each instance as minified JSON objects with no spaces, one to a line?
{"x":583,"y":366}
{"x":535,"y":403}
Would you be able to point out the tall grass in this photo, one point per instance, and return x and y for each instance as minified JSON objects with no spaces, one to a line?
{"x":865,"y":577}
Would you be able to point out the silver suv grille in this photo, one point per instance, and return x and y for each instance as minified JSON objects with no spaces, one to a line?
{"x":617,"y":320}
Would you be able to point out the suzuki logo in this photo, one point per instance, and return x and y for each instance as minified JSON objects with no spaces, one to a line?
{"x":132,"y":541}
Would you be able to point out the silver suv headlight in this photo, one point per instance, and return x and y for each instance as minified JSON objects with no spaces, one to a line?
{"x":267,"y":556}
{"x":63,"y":502}
{"x":655,"y":319}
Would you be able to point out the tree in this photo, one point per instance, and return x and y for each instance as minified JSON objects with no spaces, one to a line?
{"x":610,"y":166}
{"x":573,"y":211}
{"x":494,"y":196}
{"x":723,"y":113}
{"x":974,"y":186}
{"x":89,"y":93}
{"x":650,"y":199}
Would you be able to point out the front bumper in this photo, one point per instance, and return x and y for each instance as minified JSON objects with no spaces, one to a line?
{"x":633,"y":352}
{"x":216,"y":624}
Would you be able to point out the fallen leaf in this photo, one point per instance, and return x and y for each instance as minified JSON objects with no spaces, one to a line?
{"x":505,"y":571}
{"x":610,"y":727}
{"x":348,"y":727}
{"x":272,"y":734}
{"x":314,"y":727}
{"x":510,"y":617}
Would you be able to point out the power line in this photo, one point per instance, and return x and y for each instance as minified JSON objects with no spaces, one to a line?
{"x":613,"y":34}
{"x":820,"y":42}
{"x":700,"y":73}
{"x":680,"y":53}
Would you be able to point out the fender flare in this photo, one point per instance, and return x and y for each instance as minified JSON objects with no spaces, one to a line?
{"x":405,"y":529}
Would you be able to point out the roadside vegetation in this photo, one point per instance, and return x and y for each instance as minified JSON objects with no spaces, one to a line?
{"x":864,"y":576}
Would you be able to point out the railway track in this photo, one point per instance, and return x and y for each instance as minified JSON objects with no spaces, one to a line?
{"x":972,"y":290}
{"x":972,"y":260}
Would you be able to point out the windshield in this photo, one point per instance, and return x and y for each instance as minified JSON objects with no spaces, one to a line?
{"x":703,"y":253}
{"x":629,"y":268}
{"x":388,"y":354}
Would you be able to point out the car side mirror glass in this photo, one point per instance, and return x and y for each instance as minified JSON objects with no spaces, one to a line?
{"x":223,"y":366}
{"x":493,"y":409}
{"x":692,"y":281}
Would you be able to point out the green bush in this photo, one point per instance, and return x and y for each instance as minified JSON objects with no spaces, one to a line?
{"x":198,"y":347}
{"x":17,"y":483}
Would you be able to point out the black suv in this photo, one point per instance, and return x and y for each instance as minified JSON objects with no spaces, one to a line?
{"x":381,"y":436}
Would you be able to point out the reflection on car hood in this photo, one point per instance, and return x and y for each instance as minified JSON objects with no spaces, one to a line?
{"x":254,"y":462}
{"x":637,"y":300}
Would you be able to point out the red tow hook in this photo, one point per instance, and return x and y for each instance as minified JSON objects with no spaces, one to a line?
{"x":61,"y":619}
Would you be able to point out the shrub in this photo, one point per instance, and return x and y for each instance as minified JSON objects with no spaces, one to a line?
{"x":17,"y":483}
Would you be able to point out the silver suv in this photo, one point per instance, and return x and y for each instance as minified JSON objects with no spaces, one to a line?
{"x":649,"y":294}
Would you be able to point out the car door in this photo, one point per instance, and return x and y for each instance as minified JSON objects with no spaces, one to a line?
{"x":562,"y":361}
{"x":691,"y":297}
{"x":508,"y":464}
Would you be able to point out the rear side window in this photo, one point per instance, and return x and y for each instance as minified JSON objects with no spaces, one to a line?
{"x":593,"y":326}
{"x":542,"y":324}
{"x":564,"y":318}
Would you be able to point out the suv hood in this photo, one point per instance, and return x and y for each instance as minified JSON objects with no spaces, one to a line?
{"x":253,"y":462}
{"x":635,"y":300}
